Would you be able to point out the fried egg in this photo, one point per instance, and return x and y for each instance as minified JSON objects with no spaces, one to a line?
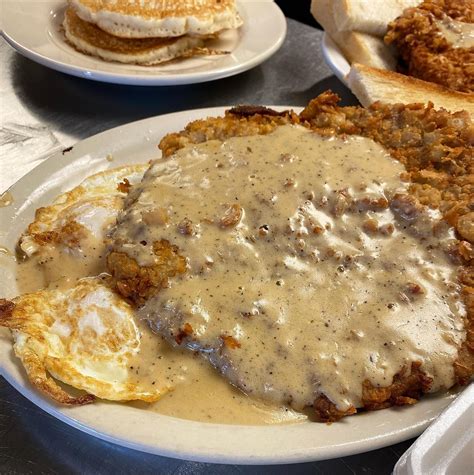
{"x":85,"y":336}
{"x":86,"y":211}
{"x":67,"y":239}
{"x":75,"y":329}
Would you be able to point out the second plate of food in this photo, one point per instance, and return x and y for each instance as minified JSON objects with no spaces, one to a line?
{"x":35,"y":29}
{"x":214,"y":422}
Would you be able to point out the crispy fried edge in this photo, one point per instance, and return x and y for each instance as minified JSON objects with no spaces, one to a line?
{"x":427,"y":55}
{"x":38,"y":369}
{"x":66,"y":199}
{"x":237,"y":122}
{"x":137,"y":284}
{"x":35,"y":370}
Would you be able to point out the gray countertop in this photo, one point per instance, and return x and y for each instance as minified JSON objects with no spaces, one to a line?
{"x":43,"y":111}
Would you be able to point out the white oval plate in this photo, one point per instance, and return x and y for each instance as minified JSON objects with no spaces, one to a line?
{"x":32,"y":27}
{"x":149,"y":431}
{"x":335,"y":59}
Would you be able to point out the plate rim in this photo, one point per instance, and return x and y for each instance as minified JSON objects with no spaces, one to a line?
{"x":162,"y":80}
{"x":332,"y":55}
{"x":72,"y":416}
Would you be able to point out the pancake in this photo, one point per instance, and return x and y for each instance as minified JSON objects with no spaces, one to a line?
{"x":90,"y":39}
{"x":159,"y":18}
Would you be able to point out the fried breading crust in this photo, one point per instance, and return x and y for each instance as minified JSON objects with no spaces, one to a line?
{"x":238,"y":122}
{"x":436,"y":148}
{"x":407,"y":387}
{"x":424,"y":53}
{"x":136,"y":283}
{"x":69,"y":235}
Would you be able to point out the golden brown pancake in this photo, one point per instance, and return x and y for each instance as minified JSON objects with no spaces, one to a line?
{"x":133,"y":19}
{"x":90,"y":39}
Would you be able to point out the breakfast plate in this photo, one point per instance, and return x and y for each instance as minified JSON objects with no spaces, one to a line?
{"x":34,"y":29}
{"x":149,"y":431}
{"x":335,"y":58}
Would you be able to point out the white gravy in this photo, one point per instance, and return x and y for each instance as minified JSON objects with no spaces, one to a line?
{"x":299,"y":275}
{"x":199,"y":393}
{"x":308,"y":272}
{"x":6,"y":199}
{"x":458,"y":33}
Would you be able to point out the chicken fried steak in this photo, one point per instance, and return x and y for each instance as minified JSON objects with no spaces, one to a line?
{"x":291,"y":254}
{"x":435,"y":42}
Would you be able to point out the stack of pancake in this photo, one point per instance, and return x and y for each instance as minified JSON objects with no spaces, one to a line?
{"x":146,"y":32}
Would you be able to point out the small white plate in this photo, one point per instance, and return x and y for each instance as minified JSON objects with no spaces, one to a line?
{"x":149,"y":431}
{"x":33,"y":28}
{"x":335,"y":59}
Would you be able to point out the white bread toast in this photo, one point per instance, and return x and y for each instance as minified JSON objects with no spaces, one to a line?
{"x":371,"y":84}
{"x":367,"y":49}
{"x":322,"y":11}
{"x":356,"y":46}
{"x":368,"y":16}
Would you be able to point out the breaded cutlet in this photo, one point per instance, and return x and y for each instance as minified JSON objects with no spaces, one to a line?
{"x":423,"y":49}
{"x":436,"y":149}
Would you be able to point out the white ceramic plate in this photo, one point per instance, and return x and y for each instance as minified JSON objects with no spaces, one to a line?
{"x":335,"y":58}
{"x":149,"y":431}
{"x":32,"y":27}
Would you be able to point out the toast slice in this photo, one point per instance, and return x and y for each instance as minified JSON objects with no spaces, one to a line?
{"x":371,"y":85}
{"x":322,"y":11}
{"x":356,"y":46}
{"x":368,"y":16}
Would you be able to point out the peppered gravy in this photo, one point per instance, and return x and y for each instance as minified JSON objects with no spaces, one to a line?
{"x":458,"y":34}
{"x":310,"y":269}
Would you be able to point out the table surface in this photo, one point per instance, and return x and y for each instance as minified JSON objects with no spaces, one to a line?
{"x":43,"y":111}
